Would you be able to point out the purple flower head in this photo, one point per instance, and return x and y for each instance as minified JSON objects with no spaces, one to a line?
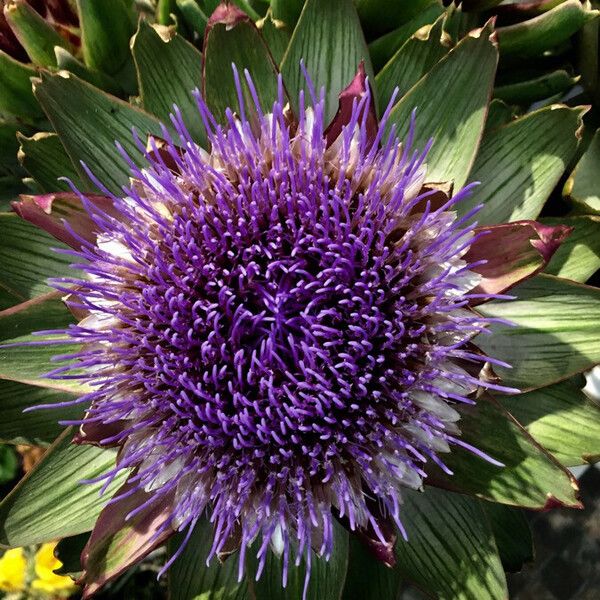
{"x":278,"y":330}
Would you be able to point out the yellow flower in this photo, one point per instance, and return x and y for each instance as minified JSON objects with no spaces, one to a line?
{"x":13,"y":566}
{"x":46,"y":580}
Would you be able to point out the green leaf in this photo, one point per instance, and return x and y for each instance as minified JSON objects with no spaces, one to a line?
{"x":499,"y":114}
{"x":26,"y":259}
{"x":588,"y":51}
{"x":10,"y":186}
{"x":88,"y":121}
{"x":562,"y":419}
{"x":520,"y":164}
{"x":248,"y":7}
{"x":536,"y":88}
{"x":326,"y":577}
{"x":66,"y":61}
{"x":578,"y":257}
{"x":50,"y":502}
{"x":583,"y":186}
{"x":164,"y":8}
{"x":239,"y":43}
{"x":27,"y":363}
{"x":556,"y":334}
{"x":276,"y":35}
{"x":379,"y":16}
{"x":9,"y":145}
{"x":106,"y":28}
{"x":532,"y":37}
{"x":38,"y":427}
{"x":479,"y":5}
{"x":446,"y":113}
{"x":330,"y":40}
{"x":383,"y":48}
{"x":68,"y":551}
{"x":450,"y":552}
{"x":34,"y":33}
{"x":287,"y":11}
{"x":368,"y":578}
{"x":415,"y":58}
{"x":168,"y":58}
{"x":512,"y":534}
{"x":193,"y":15}
{"x":190,"y":579}
{"x":9,"y":464}
{"x":459,"y":23}
{"x":530,"y":477}
{"x":16,"y":97}
{"x":45,"y":159}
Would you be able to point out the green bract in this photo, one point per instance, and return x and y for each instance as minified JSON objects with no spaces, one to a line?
{"x":75,"y":80}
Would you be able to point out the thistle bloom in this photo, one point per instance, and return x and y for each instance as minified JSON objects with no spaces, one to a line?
{"x":277,"y":332}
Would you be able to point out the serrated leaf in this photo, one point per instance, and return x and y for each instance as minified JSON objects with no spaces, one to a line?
{"x":531,"y":37}
{"x":453,"y":119}
{"x":330,"y":41}
{"x":512,"y":535}
{"x":50,"y":502}
{"x":169,"y":69}
{"x":88,"y":121}
{"x":415,"y":58}
{"x":326,"y":577}
{"x":368,"y":578}
{"x":450,"y":552}
{"x":37,"y":427}
{"x":562,"y":419}
{"x":45,"y":159}
{"x":27,"y":260}
{"x":530,"y":477}
{"x":28,"y":363}
{"x":190,"y":579}
{"x":520,"y":163}
{"x":383,"y":49}
{"x":583,"y":186}
{"x":556,"y":333}
{"x":234,"y":39}
{"x":578,"y":257}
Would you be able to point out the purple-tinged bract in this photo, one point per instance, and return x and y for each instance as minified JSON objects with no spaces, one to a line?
{"x":278,"y":329}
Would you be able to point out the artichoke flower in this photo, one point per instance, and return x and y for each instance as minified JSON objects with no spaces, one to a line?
{"x":303,"y":333}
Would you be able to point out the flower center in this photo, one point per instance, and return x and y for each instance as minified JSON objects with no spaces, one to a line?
{"x":276,"y":324}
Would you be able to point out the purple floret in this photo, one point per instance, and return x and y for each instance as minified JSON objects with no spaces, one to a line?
{"x":278,"y":329}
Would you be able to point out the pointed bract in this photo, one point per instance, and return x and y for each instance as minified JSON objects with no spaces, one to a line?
{"x":513,"y":252}
{"x":63,"y":215}
{"x":117,"y":542}
{"x":357,"y":90}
